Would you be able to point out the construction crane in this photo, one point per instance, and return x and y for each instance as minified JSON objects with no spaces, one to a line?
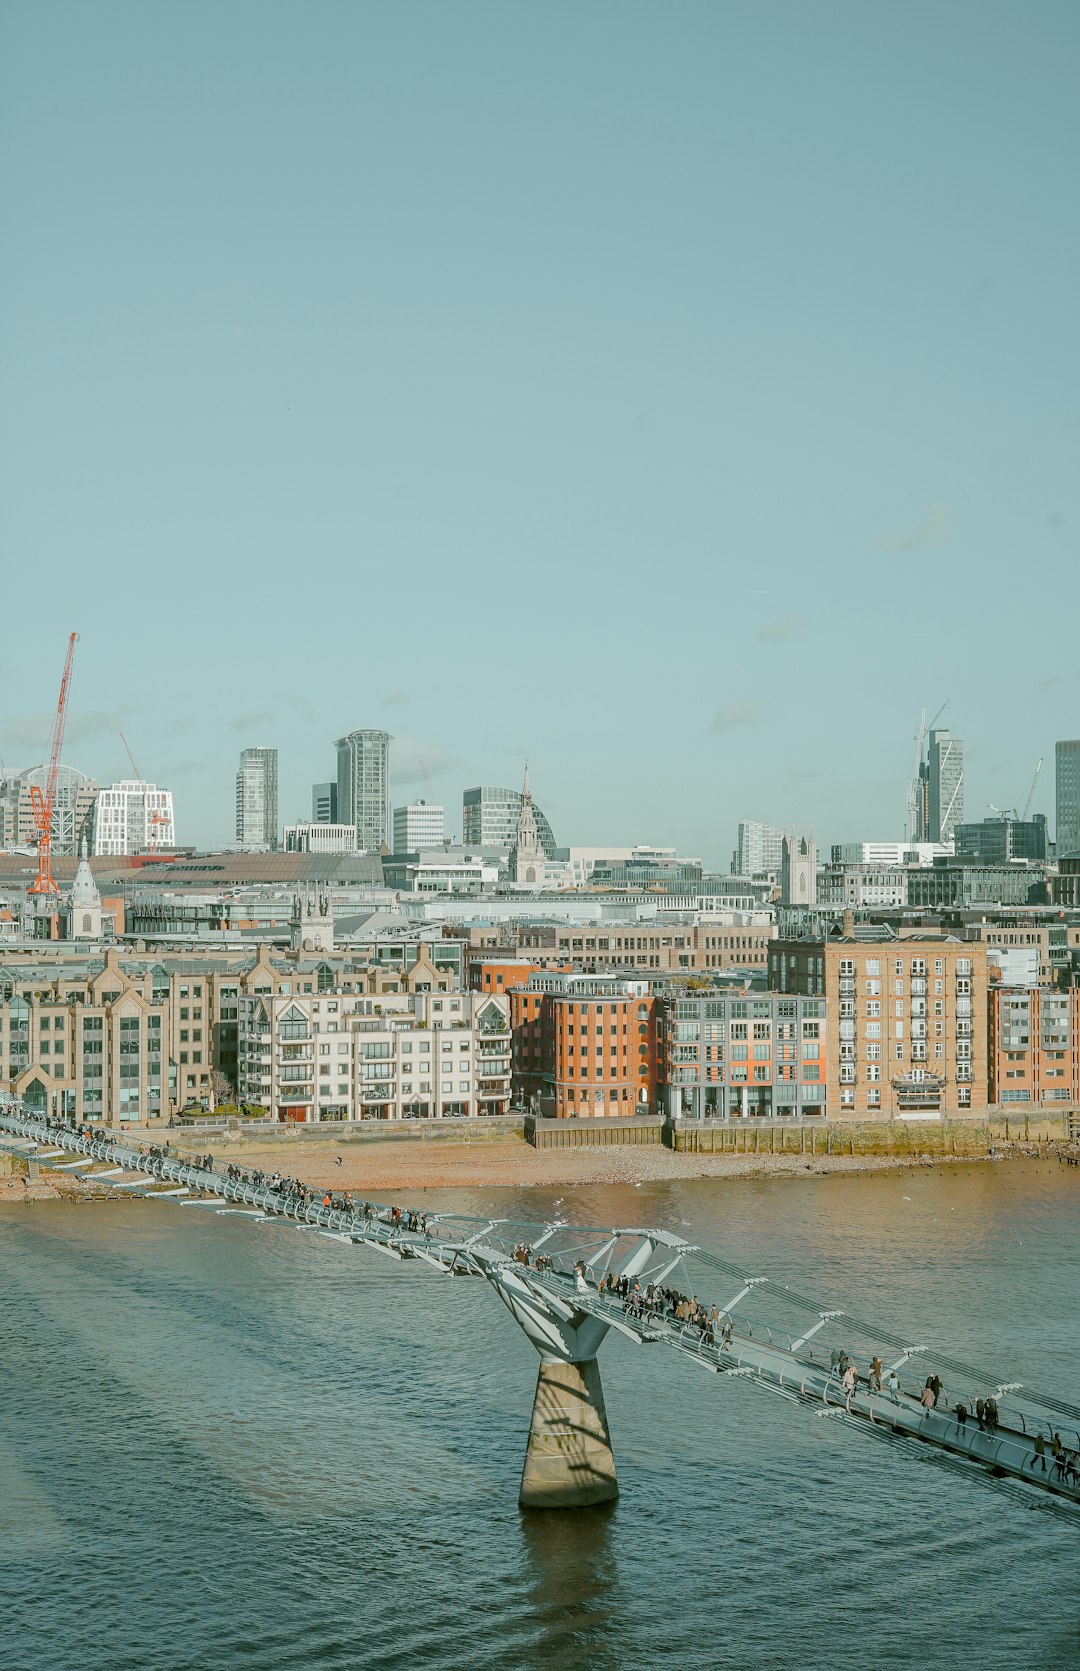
{"x":913,"y":781}
{"x":427,"y":780}
{"x":43,"y":801}
{"x":1031,"y":792}
{"x":152,"y":818}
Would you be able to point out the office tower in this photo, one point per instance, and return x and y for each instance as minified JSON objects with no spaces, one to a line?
{"x":257,"y":800}
{"x":1067,"y":796}
{"x":363,"y":785}
{"x":73,"y":809}
{"x":324,"y":803}
{"x":946,"y":771}
{"x":490,"y":819}
{"x":760,"y":849}
{"x":420,"y":824}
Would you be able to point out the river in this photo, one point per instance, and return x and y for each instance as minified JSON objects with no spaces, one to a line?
{"x":225,"y":1446}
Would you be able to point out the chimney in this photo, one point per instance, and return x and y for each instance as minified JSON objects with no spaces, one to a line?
{"x":849,"y":925}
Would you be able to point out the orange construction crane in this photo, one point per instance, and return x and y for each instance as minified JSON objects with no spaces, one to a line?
{"x":154,"y":819}
{"x":42,"y":802}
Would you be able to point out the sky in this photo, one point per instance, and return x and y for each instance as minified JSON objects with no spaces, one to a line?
{"x":681,"y":396}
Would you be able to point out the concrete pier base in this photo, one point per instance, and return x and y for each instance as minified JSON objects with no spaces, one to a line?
{"x":568,"y":1461}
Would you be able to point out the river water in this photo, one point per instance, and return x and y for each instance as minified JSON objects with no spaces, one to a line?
{"x":226,"y":1445}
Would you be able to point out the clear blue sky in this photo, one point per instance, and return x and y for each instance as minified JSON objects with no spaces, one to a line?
{"x":679,"y":394}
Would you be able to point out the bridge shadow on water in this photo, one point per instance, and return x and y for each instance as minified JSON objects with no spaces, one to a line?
{"x":572,"y":1582}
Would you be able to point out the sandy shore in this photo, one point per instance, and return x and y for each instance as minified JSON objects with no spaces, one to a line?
{"x":389,"y":1167}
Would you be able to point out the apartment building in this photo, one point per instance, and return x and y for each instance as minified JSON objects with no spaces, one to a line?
{"x":584,"y":1045}
{"x":721,"y":1054}
{"x":141,"y":1035}
{"x":1034,"y":1046}
{"x":340,"y":1056}
{"x":906,"y":1021}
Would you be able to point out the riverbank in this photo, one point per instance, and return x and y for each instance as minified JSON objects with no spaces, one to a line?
{"x":404,"y":1168}
{"x":401,"y":1168}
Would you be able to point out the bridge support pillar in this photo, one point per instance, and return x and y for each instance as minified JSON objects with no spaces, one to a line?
{"x":568,"y":1460}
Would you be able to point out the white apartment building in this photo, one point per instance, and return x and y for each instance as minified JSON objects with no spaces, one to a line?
{"x":319,"y":838}
{"x":341,"y":1056}
{"x":133,"y":817}
{"x":420,"y":824}
{"x":862,"y":886}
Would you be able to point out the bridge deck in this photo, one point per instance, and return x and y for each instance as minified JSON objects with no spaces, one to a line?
{"x":1015,"y":1458}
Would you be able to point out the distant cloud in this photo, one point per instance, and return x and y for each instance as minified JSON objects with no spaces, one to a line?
{"x":406,"y":754}
{"x":930,"y":531}
{"x":774,"y":632}
{"x":737,"y":716}
{"x":1053,"y":682}
{"x":248,"y":722}
{"x":395,"y":699}
{"x":32,"y":731}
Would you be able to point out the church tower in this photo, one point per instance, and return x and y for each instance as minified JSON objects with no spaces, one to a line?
{"x":84,"y":905}
{"x":312,"y":922}
{"x":528,"y":860}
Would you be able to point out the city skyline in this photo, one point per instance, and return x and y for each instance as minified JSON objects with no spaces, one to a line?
{"x":778,"y":347}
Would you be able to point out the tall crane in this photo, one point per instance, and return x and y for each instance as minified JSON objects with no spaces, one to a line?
{"x":1031,"y":792}
{"x":151,"y":817}
{"x":43,"y":801}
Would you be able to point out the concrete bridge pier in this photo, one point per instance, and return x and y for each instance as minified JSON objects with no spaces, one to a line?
{"x":569,"y":1462}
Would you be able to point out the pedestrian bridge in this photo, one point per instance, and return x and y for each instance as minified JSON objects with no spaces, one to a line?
{"x":558,"y":1280}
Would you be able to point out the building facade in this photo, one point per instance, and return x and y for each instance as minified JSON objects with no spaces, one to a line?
{"x":490,"y":820}
{"x":73,"y":809}
{"x":1067,"y":796}
{"x":759,"y":851}
{"x":324,"y":803}
{"x":319,"y":837}
{"x":584,"y":1046}
{"x":341,"y":1057}
{"x":420,"y":824}
{"x":1034,"y":1042}
{"x":133,"y":817}
{"x":363,"y":786}
{"x":861,"y":887}
{"x":945,"y":765}
{"x":257,"y":800}
{"x":906,"y":1021}
{"x":1001,"y":840}
{"x":723,"y":1055}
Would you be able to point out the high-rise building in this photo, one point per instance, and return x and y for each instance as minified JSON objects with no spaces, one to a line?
{"x":1067,"y":773}
{"x":133,"y":817}
{"x":946,"y":771}
{"x":363,"y":786}
{"x":318,"y":837}
{"x":490,"y":819}
{"x":420,"y":824}
{"x":257,"y":800}
{"x":324,"y":803}
{"x":760,"y":849}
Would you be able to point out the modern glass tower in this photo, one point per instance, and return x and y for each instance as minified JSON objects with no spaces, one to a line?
{"x":257,"y":800}
{"x":363,"y":786}
{"x":946,"y":769}
{"x":1067,"y":796}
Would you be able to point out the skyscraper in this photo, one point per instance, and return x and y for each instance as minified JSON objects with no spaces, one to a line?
{"x":324,"y":803}
{"x":1067,"y":796}
{"x":946,"y":771}
{"x":257,"y":800}
{"x":363,"y":786}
